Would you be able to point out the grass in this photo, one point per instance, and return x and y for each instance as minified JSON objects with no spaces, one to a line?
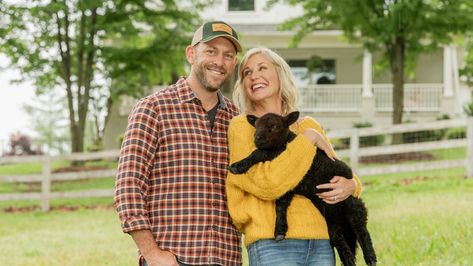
{"x":83,"y":237}
{"x":419,"y":218}
{"x":36,"y":168}
{"x":425,"y":222}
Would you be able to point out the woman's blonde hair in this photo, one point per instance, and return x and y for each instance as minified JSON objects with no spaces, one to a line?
{"x":287,"y":86}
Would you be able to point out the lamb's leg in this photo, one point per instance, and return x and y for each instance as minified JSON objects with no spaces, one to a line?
{"x":358,"y":217}
{"x":280,"y":229}
{"x":255,"y":157}
{"x":338,"y":241}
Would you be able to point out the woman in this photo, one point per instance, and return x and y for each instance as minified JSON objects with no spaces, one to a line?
{"x":265,"y":84}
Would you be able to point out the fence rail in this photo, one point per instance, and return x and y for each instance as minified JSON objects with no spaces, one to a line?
{"x":354,"y":153}
{"x":47,"y":176}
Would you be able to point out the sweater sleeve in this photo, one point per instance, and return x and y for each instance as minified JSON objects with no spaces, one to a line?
{"x":272,"y":179}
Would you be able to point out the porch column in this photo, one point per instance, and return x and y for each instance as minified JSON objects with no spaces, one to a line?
{"x":368,"y":104}
{"x":447,"y":72}
{"x":457,"y":90}
{"x":367,"y":75}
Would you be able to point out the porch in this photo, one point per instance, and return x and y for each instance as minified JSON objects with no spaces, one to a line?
{"x":338,"y":106}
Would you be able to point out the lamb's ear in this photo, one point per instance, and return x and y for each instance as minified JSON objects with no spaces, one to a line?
{"x":292,"y":117}
{"x":251,"y":119}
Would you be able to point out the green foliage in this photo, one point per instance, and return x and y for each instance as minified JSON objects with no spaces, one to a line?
{"x":469,"y":108}
{"x":400,"y":30}
{"x":366,"y":141}
{"x":467,"y":70}
{"x":422,"y":136}
{"x":48,"y":119}
{"x":376,"y":24}
{"x":374,"y":140}
{"x":425,"y":135}
{"x":456,"y":133}
{"x":82,"y":46}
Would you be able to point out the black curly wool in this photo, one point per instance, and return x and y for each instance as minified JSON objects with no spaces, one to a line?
{"x":346,"y":220}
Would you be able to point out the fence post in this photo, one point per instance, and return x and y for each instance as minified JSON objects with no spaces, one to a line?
{"x":46,"y":184}
{"x":469,"y":149}
{"x":354,"y":147}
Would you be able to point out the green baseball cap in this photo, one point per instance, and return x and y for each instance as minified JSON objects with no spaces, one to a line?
{"x":213,"y":29}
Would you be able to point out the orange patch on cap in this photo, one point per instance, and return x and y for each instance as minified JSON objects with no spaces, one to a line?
{"x":222,"y":27}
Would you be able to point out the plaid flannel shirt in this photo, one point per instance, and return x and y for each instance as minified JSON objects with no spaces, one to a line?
{"x":171,"y":177}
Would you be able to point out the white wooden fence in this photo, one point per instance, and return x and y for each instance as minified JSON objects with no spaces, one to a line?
{"x":46,"y":177}
{"x":354,"y":153}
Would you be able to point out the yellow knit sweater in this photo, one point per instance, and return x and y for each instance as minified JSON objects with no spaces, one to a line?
{"x":251,"y":196}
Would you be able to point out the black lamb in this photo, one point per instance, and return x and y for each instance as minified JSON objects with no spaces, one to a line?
{"x":346,"y":220}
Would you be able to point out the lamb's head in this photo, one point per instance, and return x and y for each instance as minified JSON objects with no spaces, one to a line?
{"x":272,"y":130}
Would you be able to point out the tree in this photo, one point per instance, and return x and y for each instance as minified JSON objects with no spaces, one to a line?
{"x":399,"y":29}
{"x":48,"y":118}
{"x":81,"y":46}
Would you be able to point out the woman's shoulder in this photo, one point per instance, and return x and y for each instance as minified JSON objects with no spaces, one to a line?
{"x":239,"y":120}
{"x":310,"y":122}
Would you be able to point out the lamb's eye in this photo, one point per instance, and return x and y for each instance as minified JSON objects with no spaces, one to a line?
{"x":275,"y":127}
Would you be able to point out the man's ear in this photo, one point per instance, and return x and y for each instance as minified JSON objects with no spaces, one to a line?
{"x":190,"y":54}
{"x":291,"y":118}
{"x":251,"y":119}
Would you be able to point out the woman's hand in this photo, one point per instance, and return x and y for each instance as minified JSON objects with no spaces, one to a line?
{"x":319,"y":141}
{"x":340,"y":189}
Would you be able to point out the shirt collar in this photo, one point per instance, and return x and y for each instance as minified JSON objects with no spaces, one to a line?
{"x":186,"y":94}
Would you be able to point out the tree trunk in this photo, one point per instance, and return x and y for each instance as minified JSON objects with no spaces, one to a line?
{"x":397,"y":56}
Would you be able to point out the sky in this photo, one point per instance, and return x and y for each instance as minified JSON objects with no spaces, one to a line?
{"x":12,"y":98}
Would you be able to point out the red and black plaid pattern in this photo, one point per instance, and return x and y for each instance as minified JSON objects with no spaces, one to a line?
{"x":171,"y":177}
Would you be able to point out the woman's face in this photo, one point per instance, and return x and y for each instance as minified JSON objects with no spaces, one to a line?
{"x":260,"y":79}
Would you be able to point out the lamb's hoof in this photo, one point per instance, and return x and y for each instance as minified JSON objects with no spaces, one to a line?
{"x":232,"y":169}
{"x":279,"y":237}
{"x":371,"y":263}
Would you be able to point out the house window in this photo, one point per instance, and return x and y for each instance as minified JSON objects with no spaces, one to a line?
{"x":322,"y":72}
{"x":241,"y":5}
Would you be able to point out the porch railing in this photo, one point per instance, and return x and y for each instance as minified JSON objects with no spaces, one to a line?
{"x":417,"y":97}
{"x":328,"y":98}
{"x":348,"y":97}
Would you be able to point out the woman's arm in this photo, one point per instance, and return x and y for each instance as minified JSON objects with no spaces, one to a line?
{"x":272,"y":179}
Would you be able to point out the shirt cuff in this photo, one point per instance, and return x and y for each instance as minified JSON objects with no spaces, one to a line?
{"x":134,"y":223}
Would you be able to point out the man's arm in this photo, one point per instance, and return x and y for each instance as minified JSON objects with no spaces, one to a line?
{"x":153,"y":255}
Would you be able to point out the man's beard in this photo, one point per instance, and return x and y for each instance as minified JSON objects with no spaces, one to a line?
{"x":199,"y":73}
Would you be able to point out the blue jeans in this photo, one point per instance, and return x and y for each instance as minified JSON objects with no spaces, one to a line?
{"x":291,"y":252}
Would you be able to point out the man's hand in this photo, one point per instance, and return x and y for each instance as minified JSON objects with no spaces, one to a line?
{"x":164,"y":258}
{"x":153,"y":255}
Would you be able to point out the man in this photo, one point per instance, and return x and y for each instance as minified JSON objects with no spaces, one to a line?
{"x":170,"y":185}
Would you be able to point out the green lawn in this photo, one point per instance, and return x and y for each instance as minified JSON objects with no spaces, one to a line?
{"x":422,"y":218}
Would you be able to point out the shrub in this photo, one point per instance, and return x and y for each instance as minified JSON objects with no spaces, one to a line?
{"x":425,"y":135}
{"x":374,"y":140}
{"x":468,"y":108}
{"x":456,"y":133}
